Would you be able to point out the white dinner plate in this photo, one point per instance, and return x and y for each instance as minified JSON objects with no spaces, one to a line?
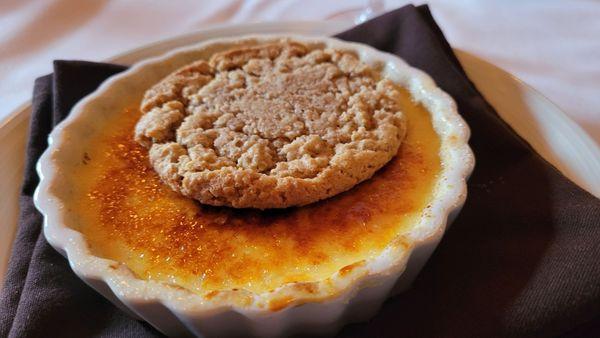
{"x":551,"y":133}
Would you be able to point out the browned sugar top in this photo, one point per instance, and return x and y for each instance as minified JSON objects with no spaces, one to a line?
{"x":129,"y":215}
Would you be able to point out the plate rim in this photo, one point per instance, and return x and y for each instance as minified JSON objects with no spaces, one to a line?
{"x":584,"y":140}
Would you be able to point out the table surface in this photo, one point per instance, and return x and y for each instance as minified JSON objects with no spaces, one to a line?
{"x":552,"y":45}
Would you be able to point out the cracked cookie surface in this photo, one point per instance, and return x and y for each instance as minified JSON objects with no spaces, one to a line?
{"x":270,"y":126}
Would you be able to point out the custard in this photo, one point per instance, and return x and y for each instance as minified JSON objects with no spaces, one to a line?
{"x":128,"y":215}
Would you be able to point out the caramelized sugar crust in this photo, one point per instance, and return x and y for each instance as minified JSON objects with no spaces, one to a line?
{"x":129,"y":215}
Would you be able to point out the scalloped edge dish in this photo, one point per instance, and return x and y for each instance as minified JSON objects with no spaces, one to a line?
{"x":310,"y":307}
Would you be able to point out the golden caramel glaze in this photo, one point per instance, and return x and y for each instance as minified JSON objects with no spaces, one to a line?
{"x":127,"y":214}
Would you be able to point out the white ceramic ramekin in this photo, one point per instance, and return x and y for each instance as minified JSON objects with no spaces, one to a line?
{"x":316,"y":307}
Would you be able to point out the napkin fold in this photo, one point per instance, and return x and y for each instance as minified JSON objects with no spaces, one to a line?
{"x":521,"y":259}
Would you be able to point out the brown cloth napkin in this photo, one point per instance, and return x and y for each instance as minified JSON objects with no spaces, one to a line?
{"x":522,"y":258}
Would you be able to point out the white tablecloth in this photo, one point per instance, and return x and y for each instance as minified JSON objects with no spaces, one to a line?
{"x":552,"y":45}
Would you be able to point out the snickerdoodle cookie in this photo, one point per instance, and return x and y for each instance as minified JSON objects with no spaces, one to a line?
{"x":270,"y":126}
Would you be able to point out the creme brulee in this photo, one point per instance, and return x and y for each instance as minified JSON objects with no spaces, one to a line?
{"x":128,"y":215}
